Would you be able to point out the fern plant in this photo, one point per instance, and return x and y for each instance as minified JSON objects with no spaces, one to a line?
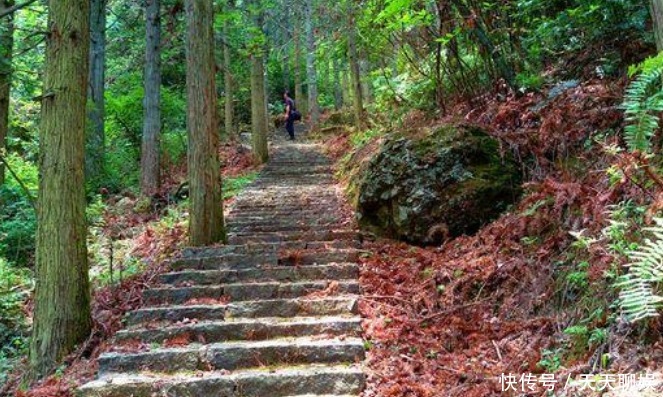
{"x":638,"y":296}
{"x":643,"y":102}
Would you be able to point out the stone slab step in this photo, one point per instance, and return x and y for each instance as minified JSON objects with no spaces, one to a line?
{"x":284,"y":257}
{"x":306,"y":380}
{"x":237,"y":355}
{"x":246,"y":291}
{"x":264,"y":247}
{"x":245,"y":329}
{"x":339,"y":271}
{"x":299,"y":236}
{"x":329,"y":306}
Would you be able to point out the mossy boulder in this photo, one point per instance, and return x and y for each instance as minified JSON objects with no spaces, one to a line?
{"x":447,"y":183}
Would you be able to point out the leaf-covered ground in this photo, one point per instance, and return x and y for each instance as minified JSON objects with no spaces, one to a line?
{"x":523,"y":295}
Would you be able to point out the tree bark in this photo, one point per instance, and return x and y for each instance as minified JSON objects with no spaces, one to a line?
{"x":258,"y":118}
{"x":355,"y":75}
{"x":228,"y":83}
{"x":6,"y":49}
{"x":299,"y":94}
{"x":311,"y":75}
{"x":149,"y":162}
{"x":62,"y":296}
{"x":338,"y":89}
{"x":206,"y":202}
{"x":656,"y":9}
{"x":94,"y":155}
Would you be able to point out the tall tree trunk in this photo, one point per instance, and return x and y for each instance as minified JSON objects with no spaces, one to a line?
{"x":311,"y":75}
{"x":258,"y":119}
{"x":656,"y":9}
{"x":6,"y":49}
{"x":228,"y":83}
{"x":366,"y":90}
{"x":355,"y":75}
{"x":286,"y":50}
{"x":94,"y":155}
{"x":299,"y":94}
{"x":62,"y":295}
{"x":266,"y":92}
{"x":338,"y":89}
{"x":206,"y":202}
{"x":149,"y":163}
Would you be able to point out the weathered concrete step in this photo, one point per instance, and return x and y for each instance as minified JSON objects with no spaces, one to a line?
{"x":246,"y":291}
{"x":245,"y":329}
{"x":277,"y":273}
{"x":300,"y":236}
{"x":313,"y":379}
{"x":330,"y":306}
{"x":285,"y":258}
{"x":268,"y":228}
{"x":236,"y":355}
{"x":264,"y":247}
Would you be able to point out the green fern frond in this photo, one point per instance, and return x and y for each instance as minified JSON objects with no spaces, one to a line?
{"x":638,"y":296}
{"x":643,"y":101}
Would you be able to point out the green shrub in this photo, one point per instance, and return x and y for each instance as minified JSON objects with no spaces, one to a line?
{"x":18,"y":224}
{"x":15,"y":286}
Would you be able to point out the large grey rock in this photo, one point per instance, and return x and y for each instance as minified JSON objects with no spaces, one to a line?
{"x":444,"y":185}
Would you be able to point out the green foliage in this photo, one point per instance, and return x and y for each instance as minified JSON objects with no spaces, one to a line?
{"x":643,"y":103}
{"x":551,"y":360}
{"x":15,"y":286}
{"x":640,"y":297}
{"x":232,"y":186}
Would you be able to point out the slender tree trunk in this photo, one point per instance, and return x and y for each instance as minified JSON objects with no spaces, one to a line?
{"x":338,"y":90}
{"x":355,"y":75}
{"x":299,"y":94}
{"x":367,"y":92}
{"x":345,"y":87}
{"x":62,"y":295}
{"x":656,"y":9}
{"x":149,"y":164}
{"x":286,"y":50}
{"x":311,"y":75}
{"x":94,"y":155}
{"x":206,"y":212}
{"x":6,"y":49}
{"x":228,"y":83}
{"x":258,"y":124}
{"x":266,"y":93}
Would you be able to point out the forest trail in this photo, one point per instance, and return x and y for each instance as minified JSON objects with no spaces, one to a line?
{"x":274,"y":313}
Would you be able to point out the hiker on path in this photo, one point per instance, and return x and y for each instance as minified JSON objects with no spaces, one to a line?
{"x":290,"y":114}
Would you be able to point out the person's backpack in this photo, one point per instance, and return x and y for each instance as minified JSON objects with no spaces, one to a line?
{"x":296,"y":115}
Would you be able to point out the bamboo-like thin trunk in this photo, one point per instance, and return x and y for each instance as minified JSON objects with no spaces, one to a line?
{"x":355,"y":75}
{"x":299,"y":94}
{"x":6,"y":49}
{"x":62,"y":317}
{"x":149,"y":165}
{"x":311,"y":75}
{"x":228,"y":84}
{"x":94,"y":156}
{"x":338,"y":90}
{"x":258,"y":125}
{"x":206,"y":201}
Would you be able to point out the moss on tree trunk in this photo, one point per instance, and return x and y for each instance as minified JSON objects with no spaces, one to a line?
{"x":206,"y":203}
{"x":62,"y":297}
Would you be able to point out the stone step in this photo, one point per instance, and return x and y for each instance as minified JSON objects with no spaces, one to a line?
{"x":279,"y":382}
{"x":245,"y":329}
{"x":330,"y":306}
{"x":284,"y":257}
{"x":263,"y":247}
{"x":236,"y":355}
{"x":246,"y":291}
{"x":276,"y":273}
{"x":278,"y":237}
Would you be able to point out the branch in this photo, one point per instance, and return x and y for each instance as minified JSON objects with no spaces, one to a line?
{"x":15,"y":8}
{"x":25,"y":189}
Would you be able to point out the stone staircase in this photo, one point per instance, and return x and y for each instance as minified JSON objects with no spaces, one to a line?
{"x":272,"y":314}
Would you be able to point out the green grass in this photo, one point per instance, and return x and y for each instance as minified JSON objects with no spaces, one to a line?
{"x":232,"y":186}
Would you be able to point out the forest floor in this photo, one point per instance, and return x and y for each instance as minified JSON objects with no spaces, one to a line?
{"x":522,"y":296}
